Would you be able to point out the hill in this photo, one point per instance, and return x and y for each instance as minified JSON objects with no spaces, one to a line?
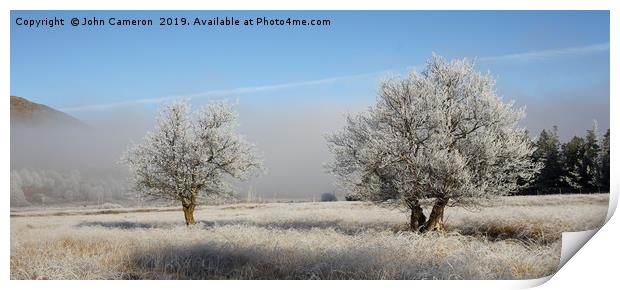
{"x":25,"y":112}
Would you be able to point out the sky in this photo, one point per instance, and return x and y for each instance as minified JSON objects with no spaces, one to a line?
{"x":294,"y":84}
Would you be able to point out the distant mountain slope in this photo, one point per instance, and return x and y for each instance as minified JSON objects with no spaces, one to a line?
{"x":25,"y":112}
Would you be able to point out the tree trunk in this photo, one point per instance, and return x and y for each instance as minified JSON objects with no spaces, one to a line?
{"x":417,"y":218}
{"x":435,"y":220}
{"x":188,"y":211}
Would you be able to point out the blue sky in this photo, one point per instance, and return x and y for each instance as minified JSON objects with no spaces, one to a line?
{"x":70,"y":67}
{"x":294,"y":83}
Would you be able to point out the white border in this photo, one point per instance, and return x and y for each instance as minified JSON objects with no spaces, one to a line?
{"x":595,"y":264}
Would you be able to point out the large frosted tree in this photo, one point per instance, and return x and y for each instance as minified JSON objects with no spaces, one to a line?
{"x":441,"y":135}
{"x":190,"y":155}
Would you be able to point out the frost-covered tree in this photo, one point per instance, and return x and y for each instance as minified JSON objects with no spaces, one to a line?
{"x":16,"y":191}
{"x":591,"y":169}
{"x":605,"y":162}
{"x":65,"y":186}
{"x":442,"y":134}
{"x":190,"y":155}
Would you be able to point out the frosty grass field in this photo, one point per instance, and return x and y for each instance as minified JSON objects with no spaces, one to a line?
{"x":518,"y":238}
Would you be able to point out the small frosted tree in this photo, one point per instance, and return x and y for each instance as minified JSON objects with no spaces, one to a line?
{"x":605,"y":162}
{"x":442,"y":134}
{"x":591,"y":159}
{"x":17,"y":193}
{"x":189,"y":156}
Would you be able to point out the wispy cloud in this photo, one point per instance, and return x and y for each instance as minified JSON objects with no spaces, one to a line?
{"x":526,"y":56}
{"x":550,"y":53}
{"x":224,"y":93}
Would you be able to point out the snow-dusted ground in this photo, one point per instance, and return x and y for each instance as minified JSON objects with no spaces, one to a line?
{"x":519,"y":237}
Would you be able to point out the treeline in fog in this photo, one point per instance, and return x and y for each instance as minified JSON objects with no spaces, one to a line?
{"x":580,"y":165}
{"x":46,"y":187}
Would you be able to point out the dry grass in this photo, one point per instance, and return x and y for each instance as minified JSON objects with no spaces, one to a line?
{"x":518,"y":238}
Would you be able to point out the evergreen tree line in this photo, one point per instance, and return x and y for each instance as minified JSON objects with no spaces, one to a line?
{"x":580,"y":165}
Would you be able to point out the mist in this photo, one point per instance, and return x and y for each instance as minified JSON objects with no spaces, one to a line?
{"x":289,"y":136}
{"x":572,"y":113}
{"x":292,"y":143}
{"x":290,"y":140}
{"x":57,"y":163}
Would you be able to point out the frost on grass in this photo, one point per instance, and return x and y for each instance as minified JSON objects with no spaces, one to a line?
{"x":339,"y":240}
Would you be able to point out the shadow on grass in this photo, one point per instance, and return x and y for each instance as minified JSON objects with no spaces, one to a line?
{"x":293,"y":225}
{"x":207,"y":261}
{"x":125,"y":225}
{"x":286,"y":225}
{"x":493,"y":233}
{"x":226,"y":260}
{"x":230,"y":260}
{"x":496,"y":233}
